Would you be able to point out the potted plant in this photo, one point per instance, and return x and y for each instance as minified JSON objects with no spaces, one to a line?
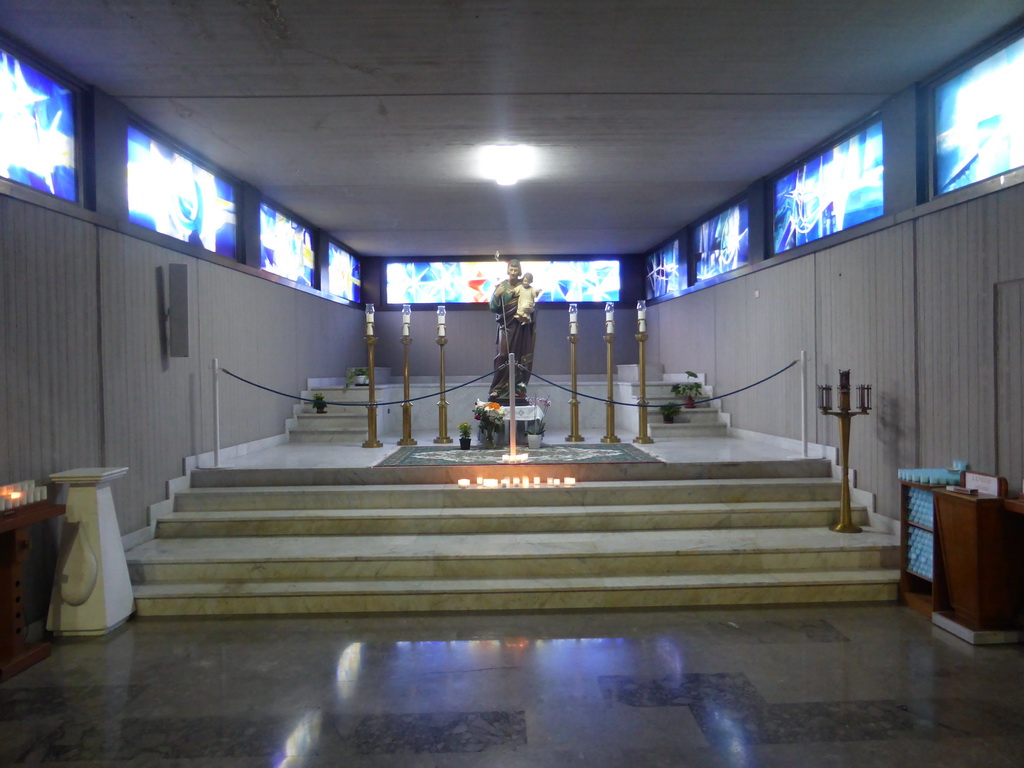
{"x":465,"y":436}
{"x":358,"y":376}
{"x":688,"y":390}
{"x":535,"y":433}
{"x":669,"y":411}
{"x":319,"y":403}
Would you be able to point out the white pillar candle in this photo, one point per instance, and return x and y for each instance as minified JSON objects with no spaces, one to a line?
{"x":570,"y":481}
{"x":440,"y":330}
{"x":464,"y":482}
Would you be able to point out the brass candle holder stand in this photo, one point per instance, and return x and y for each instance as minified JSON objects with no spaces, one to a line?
{"x":643,"y":437}
{"x":845,"y":415}
{"x":574,"y":435}
{"x":371,"y":409}
{"x":406,"y":405}
{"x":442,"y":404}
{"x":609,"y":406}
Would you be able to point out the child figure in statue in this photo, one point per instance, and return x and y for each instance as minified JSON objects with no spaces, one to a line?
{"x":526,"y":299}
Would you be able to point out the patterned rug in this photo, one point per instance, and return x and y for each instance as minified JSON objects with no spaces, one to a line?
{"x":570,"y":453}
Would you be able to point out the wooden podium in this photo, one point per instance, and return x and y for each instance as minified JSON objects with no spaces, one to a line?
{"x":981,"y":552}
{"x":15,"y":654}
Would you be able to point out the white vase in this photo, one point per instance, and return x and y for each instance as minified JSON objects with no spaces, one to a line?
{"x":534,"y":440}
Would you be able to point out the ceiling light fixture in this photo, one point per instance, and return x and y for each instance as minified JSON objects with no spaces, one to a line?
{"x":507,"y":163}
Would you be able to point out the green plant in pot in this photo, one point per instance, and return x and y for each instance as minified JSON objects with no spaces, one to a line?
{"x":358,"y":376}
{"x":319,"y":403}
{"x":534,"y":432}
{"x":669,"y":411}
{"x":465,"y":436}
{"x":688,"y":390}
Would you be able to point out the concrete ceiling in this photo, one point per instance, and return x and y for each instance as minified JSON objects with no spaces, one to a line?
{"x":364,"y":117}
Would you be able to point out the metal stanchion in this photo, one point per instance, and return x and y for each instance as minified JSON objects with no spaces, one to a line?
{"x":371,"y":409}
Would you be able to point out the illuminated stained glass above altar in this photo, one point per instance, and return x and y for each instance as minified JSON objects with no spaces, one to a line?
{"x":473,"y":282}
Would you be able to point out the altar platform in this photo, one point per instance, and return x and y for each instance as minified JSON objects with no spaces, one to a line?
{"x":320,"y":528}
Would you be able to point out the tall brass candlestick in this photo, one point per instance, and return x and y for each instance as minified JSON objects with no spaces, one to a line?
{"x":643,"y":437}
{"x":574,"y":435}
{"x":371,"y":409}
{"x":609,"y":406}
{"x":406,"y":405}
{"x":845,"y":415}
{"x":442,"y":405}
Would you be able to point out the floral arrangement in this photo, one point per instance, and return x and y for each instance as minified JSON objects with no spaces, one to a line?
{"x":537,"y":426}
{"x":491,"y":419}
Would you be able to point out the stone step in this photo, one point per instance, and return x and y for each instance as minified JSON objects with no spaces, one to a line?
{"x":333,"y":419}
{"x":688,"y":416}
{"x":662,"y":431}
{"x":364,"y":476}
{"x":262,"y":598}
{"x":363,"y":522}
{"x":498,"y":556}
{"x":341,"y":436}
{"x":451,"y":496}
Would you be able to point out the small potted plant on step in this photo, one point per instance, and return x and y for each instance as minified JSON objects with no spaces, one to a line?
{"x":465,"y":436}
{"x":688,"y":390}
{"x":319,"y":403}
{"x":669,"y":411}
{"x":358,"y":376}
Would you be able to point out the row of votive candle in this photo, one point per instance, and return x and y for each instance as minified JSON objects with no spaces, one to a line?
{"x":19,"y":494}
{"x":516,"y":482}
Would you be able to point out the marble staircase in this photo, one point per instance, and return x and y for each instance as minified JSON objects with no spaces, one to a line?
{"x":405,"y":540}
{"x":340,"y":424}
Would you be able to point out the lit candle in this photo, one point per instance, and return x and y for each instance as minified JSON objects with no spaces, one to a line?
{"x":369,"y":319}
{"x":406,"y":319}
{"x":526,"y":481}
{"x":464,"y":482}
{"x":536,"y":481}
{"x":609,"y":318}
{"x":441,"y":312}
{"x":16,"y":498}
{"x":479,"y":481}
{"x":573,"y":325}
{"x":490,"y":482}
{"x":641,"y":316}
{"x":570,"y":481}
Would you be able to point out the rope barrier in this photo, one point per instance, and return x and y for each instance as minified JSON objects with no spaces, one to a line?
{"x":522,"y":367}
{"x":393,"y":402}
{"x":658,"y":405}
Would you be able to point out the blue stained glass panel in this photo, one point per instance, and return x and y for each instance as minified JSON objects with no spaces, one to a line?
{"x":979,"y":121}
{"x":835,"y":191}
{"x":722,"y":242}
{"x":665,"y":277}
{"x":286,"y":247}
{"x":170,"y":194}
{"x":37,"y":130}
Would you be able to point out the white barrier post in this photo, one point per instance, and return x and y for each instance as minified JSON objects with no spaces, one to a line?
{"x":216,"y":412}
{"x":803,"y":400}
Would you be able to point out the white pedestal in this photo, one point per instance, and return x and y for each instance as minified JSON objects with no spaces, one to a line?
{"x":92,"y":593}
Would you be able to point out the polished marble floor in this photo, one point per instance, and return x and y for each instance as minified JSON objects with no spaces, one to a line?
{"x":803,"y":686}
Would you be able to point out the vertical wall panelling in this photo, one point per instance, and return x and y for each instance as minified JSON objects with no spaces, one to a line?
{"x":1010,"y":372}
